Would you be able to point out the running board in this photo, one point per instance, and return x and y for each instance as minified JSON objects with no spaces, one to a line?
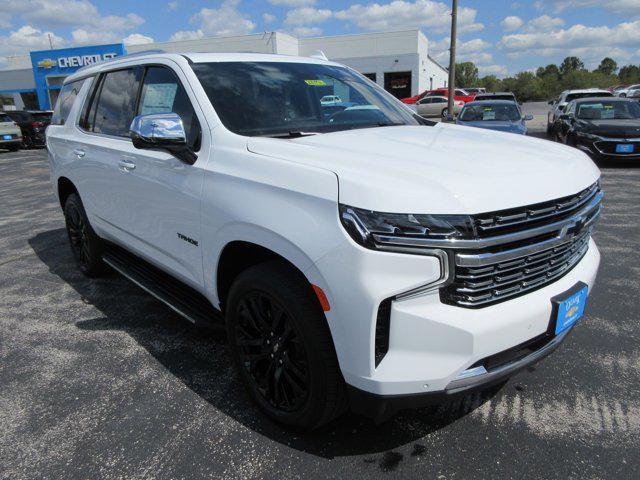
{"x":181,"y":298}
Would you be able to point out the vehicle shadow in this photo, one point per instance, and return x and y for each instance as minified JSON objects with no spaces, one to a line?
{"x":198,"y":358}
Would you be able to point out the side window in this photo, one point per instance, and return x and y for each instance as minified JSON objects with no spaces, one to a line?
{"x":67,"y":96}
{"x":113,"y":105}
{"x":162,"y":92}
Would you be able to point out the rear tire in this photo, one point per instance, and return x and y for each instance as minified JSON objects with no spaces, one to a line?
{"x":27,"y":142}
{"x":86,"y":246}
{"x":445,"y":112}
{"x":282,"y":348}
{"x":623,"y":95}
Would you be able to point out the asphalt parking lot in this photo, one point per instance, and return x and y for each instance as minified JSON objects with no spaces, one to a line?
{"x":100,"y":380}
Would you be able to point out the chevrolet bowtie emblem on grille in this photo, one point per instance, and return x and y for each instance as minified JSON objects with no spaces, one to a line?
{"x":47,"y":63}
{"x":575,"y":224}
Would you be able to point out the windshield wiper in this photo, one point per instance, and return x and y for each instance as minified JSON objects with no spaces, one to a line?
{"x":293,"y":134}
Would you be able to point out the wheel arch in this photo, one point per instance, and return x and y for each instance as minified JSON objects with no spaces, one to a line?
{"x":65,"y":188}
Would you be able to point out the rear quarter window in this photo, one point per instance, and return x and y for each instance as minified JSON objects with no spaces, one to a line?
{"x":67,"y":97}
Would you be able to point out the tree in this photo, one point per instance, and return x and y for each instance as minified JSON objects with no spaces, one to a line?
{"x":550,"y":70}
{"x":466,"y":74}
{"x":571,"y":64}
{"x":491,"y":83}
{"x":629,"y":74}
{"x":608,"y":66}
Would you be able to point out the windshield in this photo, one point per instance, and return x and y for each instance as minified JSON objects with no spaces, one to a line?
{"x":609,"y":110}
{"x":276,"y":98}
{"x":574,"y":96}
{"x":4,"y":118}
{"x":490,"y":112}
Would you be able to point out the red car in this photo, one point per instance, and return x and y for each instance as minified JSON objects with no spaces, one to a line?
{"x":460,"y":95}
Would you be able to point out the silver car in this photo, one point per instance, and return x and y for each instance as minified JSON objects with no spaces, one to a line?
{"x":437,"y":107}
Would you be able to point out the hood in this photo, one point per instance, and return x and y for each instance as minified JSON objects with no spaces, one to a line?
{"x":500,"y":126}
{"x":613,"y":128}
{"x":438,"y":169}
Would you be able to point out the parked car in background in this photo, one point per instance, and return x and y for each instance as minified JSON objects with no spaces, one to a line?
{"x":605,"y":128}
{"x":330,"y":100}
{"x":475,"y":90}
{"x":496,"y":96}
{"x":626,"y":90}
{"x":456,"y":258}
{"x":635,"y":93}
{"x":558,"y":105}
{"x":10,"y":133}
{"x":437,"y":106}
{"x":33,"y":124}
{"x":500,"y":115}
{"x":616,"y":88}
{"x":459,"y":94}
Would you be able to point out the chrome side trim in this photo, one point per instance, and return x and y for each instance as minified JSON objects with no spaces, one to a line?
{"x":474,"y":377}
{"x":561,"y":226}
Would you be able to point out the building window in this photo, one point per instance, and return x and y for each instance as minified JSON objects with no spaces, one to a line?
{"x":371,"y":76}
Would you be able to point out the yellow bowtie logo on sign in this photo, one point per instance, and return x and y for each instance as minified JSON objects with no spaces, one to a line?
{"x":571,"y":312}
{"x":47,"y":63}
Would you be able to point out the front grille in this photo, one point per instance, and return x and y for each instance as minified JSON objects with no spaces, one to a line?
{"x":529,"y":248}
{"x":609,"y":148}
{"x":492,"y":283}
{"x":523,"y":218}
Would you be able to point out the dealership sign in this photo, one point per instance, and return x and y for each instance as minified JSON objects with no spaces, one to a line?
{"x":51,"y":66}
{"x":75,"y":60}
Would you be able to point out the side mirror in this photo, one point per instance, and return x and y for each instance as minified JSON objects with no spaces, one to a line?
{"x":163,"y":131}
{"x":528,"y":117}
{"x":565,"y":116}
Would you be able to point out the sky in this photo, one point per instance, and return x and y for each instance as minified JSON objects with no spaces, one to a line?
{"x":501,"y":37}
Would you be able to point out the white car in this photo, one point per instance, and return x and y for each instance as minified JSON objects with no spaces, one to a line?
{"x":437,"y":107}
{"x":10,"y":133}
{"x":330,"y":100}
{"x":627,"y":91}
{"x":379,"y":262}
{"x":558,"y":105}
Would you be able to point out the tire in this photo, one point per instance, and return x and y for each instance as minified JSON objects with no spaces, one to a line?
{"x":86,"y":246}
{"x":623,"y":95}
{"x":445,"y":112}
{"x":281,"y":347}
{"x":27,"y":142}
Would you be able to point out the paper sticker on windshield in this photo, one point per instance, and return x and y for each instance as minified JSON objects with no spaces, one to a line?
{"x":315,"y":83}
{"x":489,"y":115}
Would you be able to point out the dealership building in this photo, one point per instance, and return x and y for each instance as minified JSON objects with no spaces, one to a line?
{"x":398,"y":61}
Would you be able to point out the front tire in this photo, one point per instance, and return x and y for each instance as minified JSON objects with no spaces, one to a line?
{"x":86,"y":246}
{"x":445,"y":112}
{"x":281,"y":346}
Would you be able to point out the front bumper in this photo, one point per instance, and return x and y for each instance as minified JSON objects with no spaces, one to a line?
{"x":595,"y":150}
{"x":431,"y":345}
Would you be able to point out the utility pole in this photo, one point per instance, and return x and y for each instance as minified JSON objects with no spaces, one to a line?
{"x":50,"y":41}
{"x":452,"y":56}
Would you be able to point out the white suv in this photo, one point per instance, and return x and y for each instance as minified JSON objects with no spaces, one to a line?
{"x":362,"y":257}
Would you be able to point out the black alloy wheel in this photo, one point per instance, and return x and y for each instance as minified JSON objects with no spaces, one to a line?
{"x":86,"y":246}
{"x":272,"y":352}
{"x":27,"y":141}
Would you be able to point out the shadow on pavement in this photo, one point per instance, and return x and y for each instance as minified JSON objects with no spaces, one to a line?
{"x":198,"y":358}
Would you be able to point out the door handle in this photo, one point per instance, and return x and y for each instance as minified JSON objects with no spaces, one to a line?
{"x":126,"y":165}
{"x":79,"y":153}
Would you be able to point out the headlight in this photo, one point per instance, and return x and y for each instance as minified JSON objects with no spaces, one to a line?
{"x":588,"y":136}
{"x":374,"y":229}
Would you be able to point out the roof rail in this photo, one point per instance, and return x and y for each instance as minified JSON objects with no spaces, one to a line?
{"x":128,"y":55}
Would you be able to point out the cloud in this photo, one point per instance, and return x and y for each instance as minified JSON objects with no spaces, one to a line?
{"x":497,"y":70}
{"x":590,"y":43}
{"x":307,"y":16}
{"x":511,"y":23}
{"x":469,"y":51}
{"x":307,"y":31}
{"x":137,"y":39}
{"x":224,"y":21}
{"x":172,"y":6}
{"x":544,"y":23}
{"x":292,"y":3}
{"x":268,"y":18}
{"x":27,"y":38}
{"x":622,"y":7}
{"x":399,"y":14}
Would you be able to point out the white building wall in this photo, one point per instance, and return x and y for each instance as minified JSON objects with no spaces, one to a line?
{"x":258,"y":43}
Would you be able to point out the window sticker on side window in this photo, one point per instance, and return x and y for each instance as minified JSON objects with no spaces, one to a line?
{"x":315,"y":83}
{"x":158,"y":98}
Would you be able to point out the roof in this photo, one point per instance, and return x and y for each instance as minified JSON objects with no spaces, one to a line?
{"x":585,"y":90}
{"x":143,"y":57}
{"x":605,"y":99}
{"x":492,"y":94}
{"x":493,"y":102}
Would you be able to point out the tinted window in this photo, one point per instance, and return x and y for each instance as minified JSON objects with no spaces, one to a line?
{"x":5,"y":118}
{"x":609,"y":110}
{"x":20,"y":116}
{"x":490,"y":112}
{"x":115,"y":104}
{"x":67,"y":96}
{"x":162,"y":92}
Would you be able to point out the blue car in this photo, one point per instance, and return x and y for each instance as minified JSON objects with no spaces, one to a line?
{"x":501,"y":115}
